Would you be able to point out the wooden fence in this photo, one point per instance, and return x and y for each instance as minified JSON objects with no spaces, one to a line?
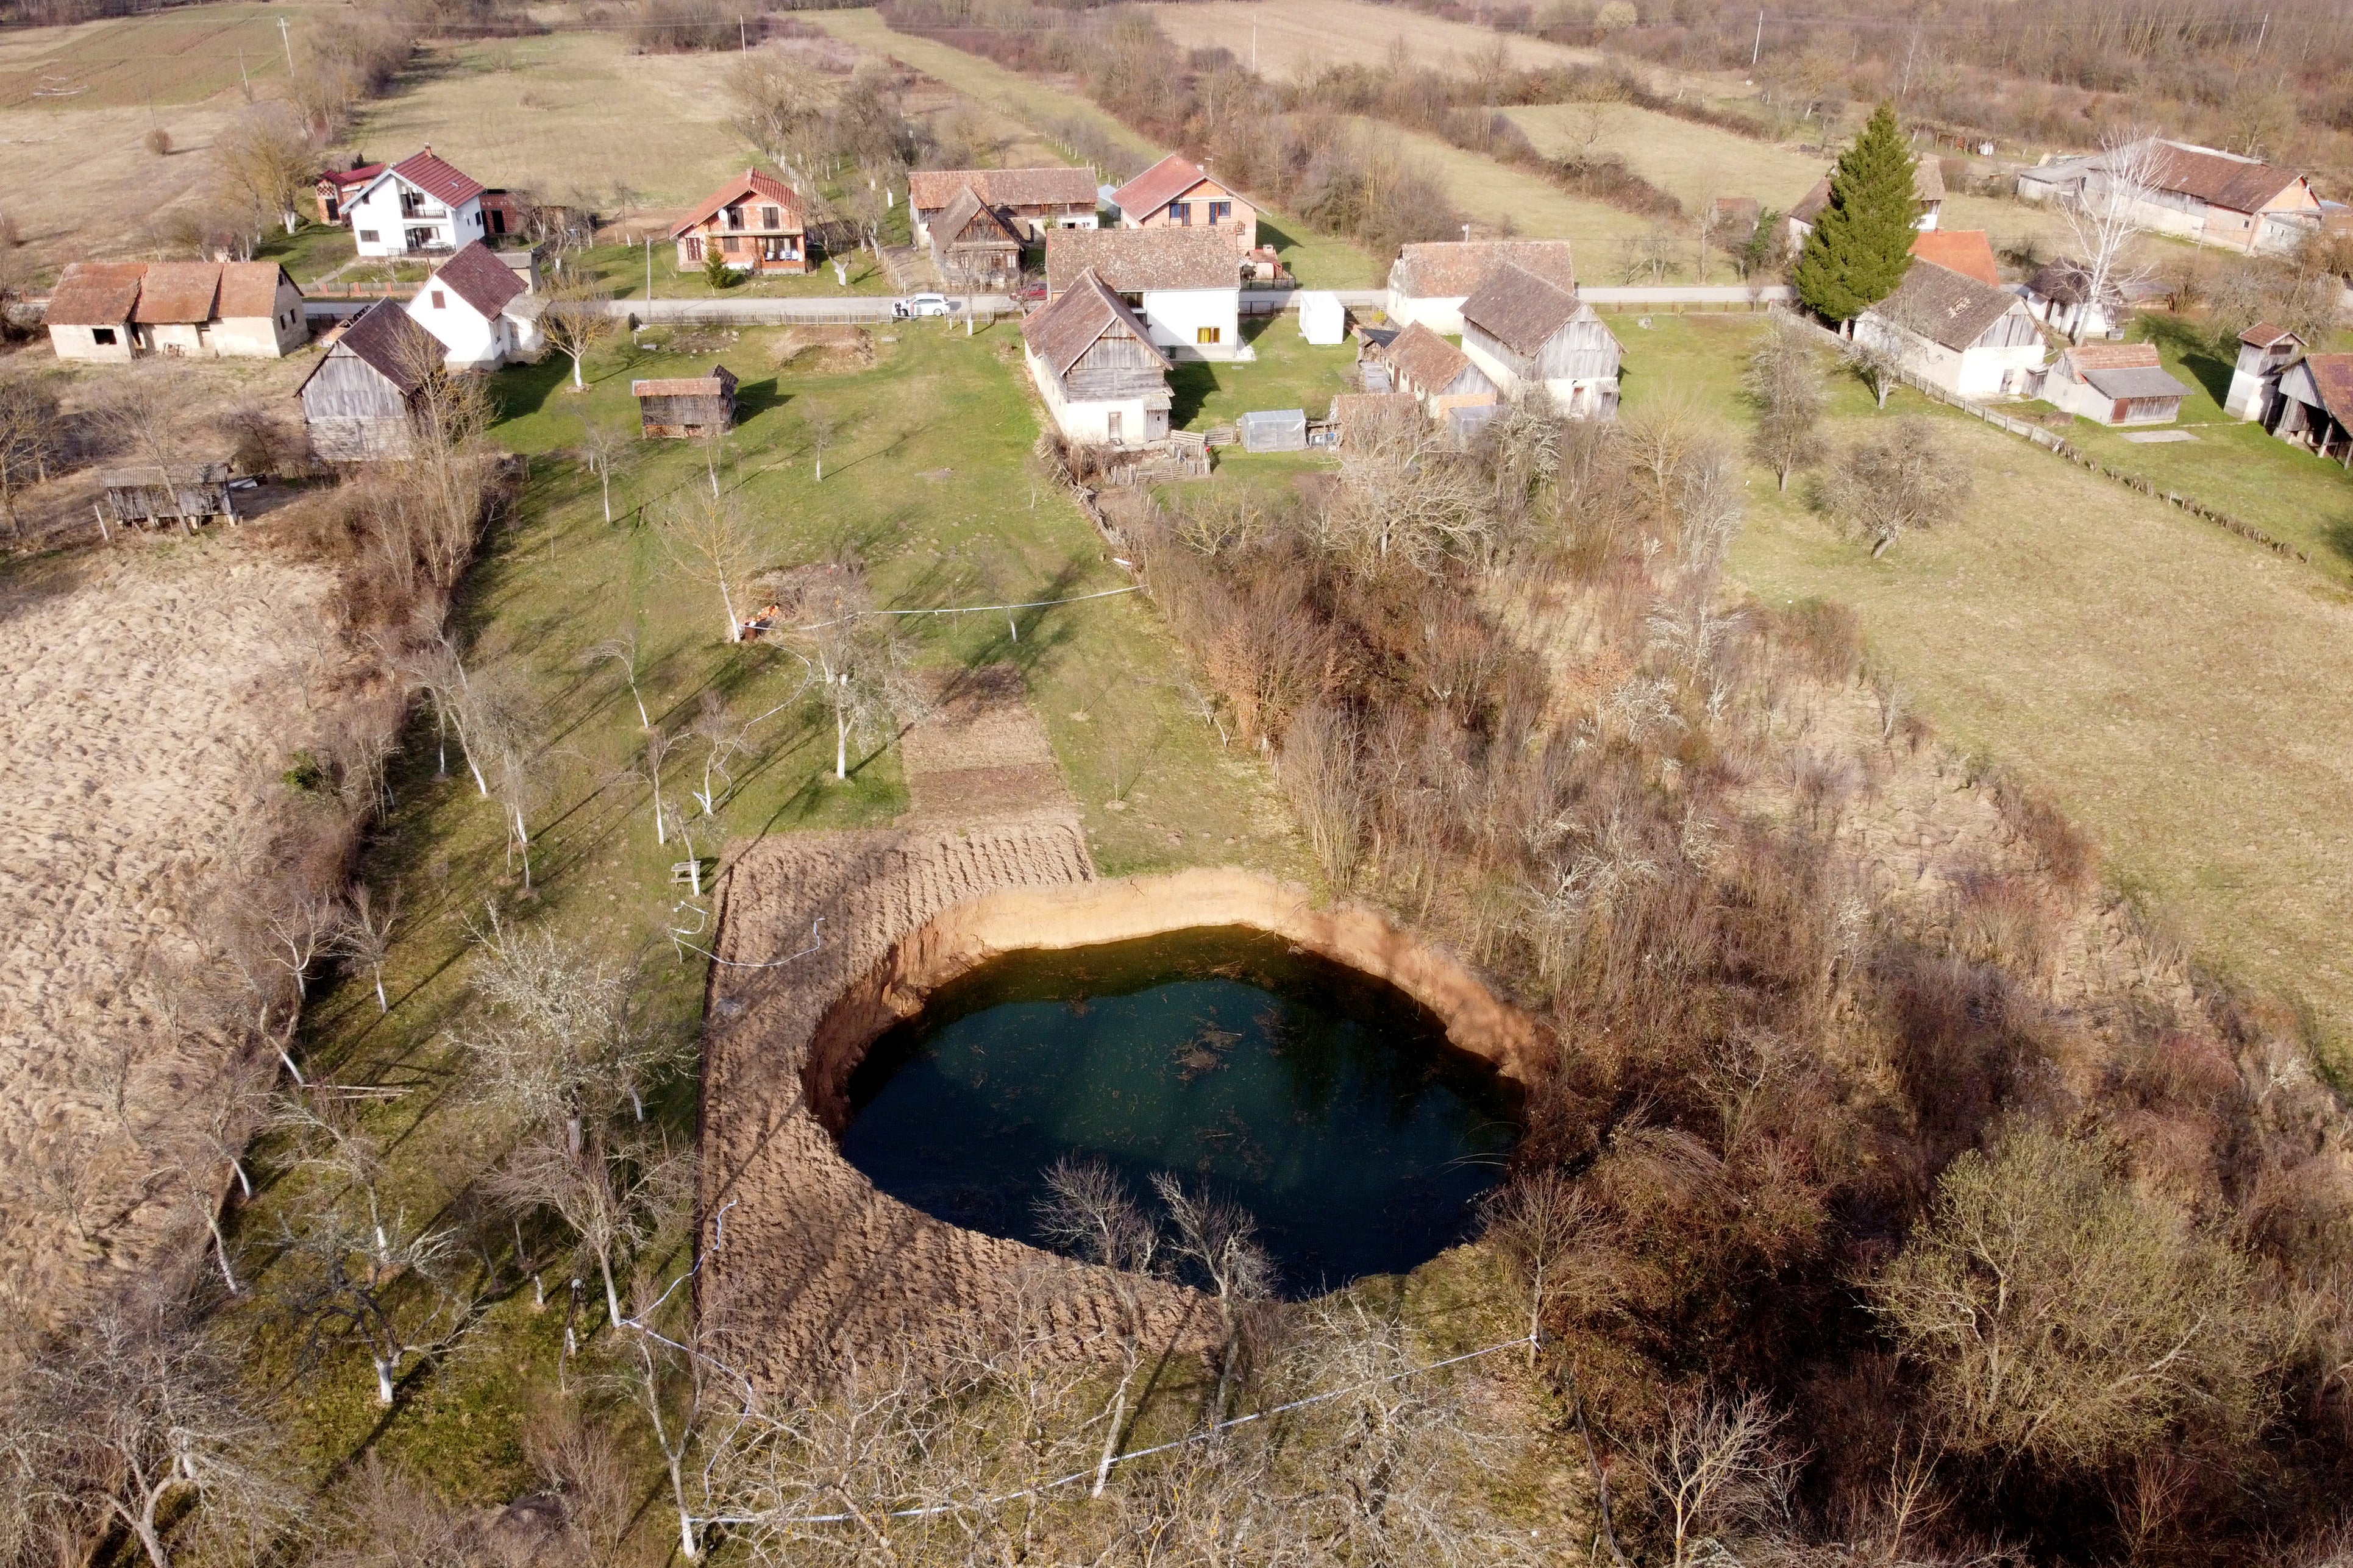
{"x":2050,"y":440}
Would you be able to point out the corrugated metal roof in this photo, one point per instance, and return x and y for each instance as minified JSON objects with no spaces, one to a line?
{"x":1131,"y":260}
{"x":2134,"y":381}
{"x":931,"y":189}
{"x":1453,"y":269}
{"x":175,"y":293}
{"x":95,"y":294}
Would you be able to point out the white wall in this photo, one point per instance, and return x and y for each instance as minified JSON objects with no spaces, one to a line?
{"x":80,"y":342}
{"x":378,"y":213}
{"x":1440,"y":314}
{"x":1087,"y":422}
{"x":264,"y":337}
{"x":1176,"y":316}
{"x":472,"y":343}
{"x":1323,"y":320}
{"x":1978,"y":372}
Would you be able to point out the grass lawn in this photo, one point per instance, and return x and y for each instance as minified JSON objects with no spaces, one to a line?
{"x":1514,"y":201}
{"x":928,"y":483}
{"x":1289,"y":373}
{"x":622,"y":270}
{"x":2233,"y":464}
{"x":2185,"y":695}
{"x":311,"y":252}
{"x":1691,"y":163}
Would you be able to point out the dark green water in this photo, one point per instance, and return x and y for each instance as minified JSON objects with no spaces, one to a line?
{"x":1322,"y":1101}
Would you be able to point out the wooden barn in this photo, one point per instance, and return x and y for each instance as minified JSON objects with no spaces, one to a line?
{"x":1434,"y":373}
{"x":1527,"y":332}
{"x":357,"y":399}
{"x":1095,"y":362}
{"x":192,"y":493}
{"x":974,"y":244}
{"x":686,"y":406}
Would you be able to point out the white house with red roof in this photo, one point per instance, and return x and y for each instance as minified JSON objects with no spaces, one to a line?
{"x":1176,"y":193}
{"x":752,"y":223}
{"x":417,"y":207}
{"x":481,"y":311}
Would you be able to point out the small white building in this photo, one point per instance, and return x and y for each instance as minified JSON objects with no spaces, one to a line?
{"x":419,"y":206}
{"x":1183,"y":283}
{"x":1927,"y":189}
{"x":1323,"y":320}
{"x":116,"y":310}
{"x":479,"y":309}
{"x":1970,"y":338}
{"x":2114,"y":384}
{"x":2264,"y":351}
{"x":1427,"y":283}
{"x":1526,"y":333}
{"x":1105,"y":381}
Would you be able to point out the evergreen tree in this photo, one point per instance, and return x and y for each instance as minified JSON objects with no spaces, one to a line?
{"x":1862,"y":243}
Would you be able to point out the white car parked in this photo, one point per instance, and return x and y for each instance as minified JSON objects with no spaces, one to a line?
{"x":925,"y":305}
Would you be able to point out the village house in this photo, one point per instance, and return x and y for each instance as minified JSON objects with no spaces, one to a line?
{"x":754,"y":223}
{"x":2314,"y":407}
{"x":973,"y":244}
{"x":1184,"y":284}
{"x":1103,"y":379}
{"x":1427,"y":283}
{"x":1927,"y":189}
{"x":2197,"y":192}
{"x":1968,"y":337}
{"x":115,"y":310}
{"x":480,"y":310}
{"x":1177,"y":194}
{"x":685,"y":406}
{"x":1963,"y":250}
{"x":1438,"y":376}
{"x":1526,"y":333}
{"x":2264,"y":351}
{"x":2059,"y":296}
{"x":1032,"y":201}
{"x":416,"y":207}
{"x":2114,"y":384}
{"x":358,"y":400}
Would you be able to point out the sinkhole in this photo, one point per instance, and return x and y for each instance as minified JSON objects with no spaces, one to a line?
{"x":1326,"y":1101}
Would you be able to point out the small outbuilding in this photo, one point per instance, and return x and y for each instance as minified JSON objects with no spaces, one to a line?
{"x":358,"y":400}
{"x":1526,"y":333}
{"x":1093,"y":359}
{"x":686,"y":406}
{"x":2264,"y":351}
{"x":1434,"y":373}
{"x":2114,"y":384}
{"x":1323,"y":320}
{"x":974,"y":244}
{"x":2315,"y":407}
{"x":2060,"y":296}
{"x":1274,"y":430}
{"x":193,"y":493}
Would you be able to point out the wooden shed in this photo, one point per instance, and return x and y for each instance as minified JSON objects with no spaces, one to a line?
{"x":684,"y":405}
{"x":357,"y":399}
{"x":185,"y":494}
{"x":1527,"y":331}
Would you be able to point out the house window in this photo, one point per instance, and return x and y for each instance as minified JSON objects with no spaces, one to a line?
{"x":1116,"y":426}
{"x":1221,"y":211}
{"x":102,"y":336}
{"x":731,"y":245}
{"x":772,"y":217}
{"x":1208,"y":334}
{"x":694,"y":248}
{"x":367,"y":236}
{"x":438,"y":301}
{"x":1181,"y":214}
{"x":499,"y":221}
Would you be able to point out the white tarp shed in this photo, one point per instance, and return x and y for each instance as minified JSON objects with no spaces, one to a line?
{"x":1274,"y":430}
{"x":1323,"y":320}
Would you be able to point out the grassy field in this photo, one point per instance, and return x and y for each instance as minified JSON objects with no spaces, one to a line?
{"x":1320,"y":261}
{"x":1289,"y":373}
{"x":2185,"y":695}
{"x":162,"y":60}
{"x":622,"y":271}
{"x":1509,"y":200}
{"x":1295,"y":38}
{"x":1691,"y":162}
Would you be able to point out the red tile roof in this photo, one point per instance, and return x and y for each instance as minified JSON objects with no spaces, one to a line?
{"x":1453,"y":269}
{"x":176,"y":293}
{"x":2113,"y":356}
{"x":95,"y":294}
{"x":249,"y":289}
{"x":2263,"y":334}
{"x":478,"y":278}
{"x":1964,"y":250}
{"x":1131,"y":260}
{"x":345,"y":179}
{"x":1157,"y":186}
{"x":931,"y":189}
{"x":438,"y":178}
{"x":753,"y":185}
{"x":2241,"y":185}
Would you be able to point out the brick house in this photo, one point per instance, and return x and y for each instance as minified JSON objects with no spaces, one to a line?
{"x":754,"y":223}
{"x":1177,"y":194}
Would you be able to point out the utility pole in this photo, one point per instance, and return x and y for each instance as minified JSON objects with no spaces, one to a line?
{"x":1758,"y":48}
{"x":742,"y":38}
{"x":650,"y":268}
{"x":244,"y":80}
{"x":286,"y":37}
{"x":1253,"y":47}
{"x":2262,"y":30}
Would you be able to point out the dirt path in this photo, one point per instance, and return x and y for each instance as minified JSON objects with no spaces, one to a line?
{"x":142,"y":689}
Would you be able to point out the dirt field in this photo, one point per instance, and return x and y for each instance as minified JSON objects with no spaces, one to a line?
{"x":143,"y":686}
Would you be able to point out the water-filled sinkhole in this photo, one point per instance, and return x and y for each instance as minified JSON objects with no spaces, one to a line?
{"x":1324,"y":1101}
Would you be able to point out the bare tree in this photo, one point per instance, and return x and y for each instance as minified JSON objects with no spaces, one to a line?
{"x":711,"y":542}
{"x":624,"y":649}
{"x":267,"y":162}
{"x":577,"y":321}
{"x":365,"y":934}
{"x":1087,"y":1210}
{"x":135,"y":1421}
{"x":28,"y":438}
{"x":143,"y":415}
{"x":1405,"y":495}
{"x":1219,"y":1238}
{"x":1905,"y":479}
{"x":1785,"y":385}
{"x":2107,"y":212}
{"x":822,"y":426}
{"x":1877,"y":364}
{"x":1319,"y":769}
{"x":612,"y":1193}
{"x":564,"y":1041}
{"x":679,"y":1384}
{"x":385,"y":1285}
{"x":857,"y":662}
{"x":606,"y":450}
{"x":1713,"y":1468}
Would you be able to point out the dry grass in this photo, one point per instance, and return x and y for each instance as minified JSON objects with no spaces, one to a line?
{"x":164,"y":60}
{"x":1296,"y":37}
{"x":1509,"y":200}
{"x":1690,"y":162}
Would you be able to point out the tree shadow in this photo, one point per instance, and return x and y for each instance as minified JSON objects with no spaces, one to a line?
{"x":2337,"y":534}
{"x":2197,"y":353}
{"x":524,"y":389}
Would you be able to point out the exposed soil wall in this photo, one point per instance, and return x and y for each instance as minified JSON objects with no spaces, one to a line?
{"x":1083,"y":915}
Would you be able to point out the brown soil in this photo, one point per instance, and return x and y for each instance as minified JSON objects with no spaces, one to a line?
{"x":146,"y":689}
{"x":808,"y":1263}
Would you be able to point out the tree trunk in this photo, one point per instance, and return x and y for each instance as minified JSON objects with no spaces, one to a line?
{"x":381,"y":1006}
{"x":579,"y":385}
{"x":612,"y":1295}
{"x":840,"y":744}
{"x":384,"y":1382}
{"x":220,"y":1249}
{"x":1111,"y":1439}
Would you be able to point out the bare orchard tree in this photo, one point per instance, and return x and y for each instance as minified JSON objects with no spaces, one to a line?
{"x":612,"y":1193}
{"x":377,"y":1282}
{"x":674,"y":1377}
{"x":710,"y":541}
{"x":1904,"y":480}
{"x":1785,"y":385}
{"x":1405,"y":498}
{"x":365,"y":935}
{"x":135,"y":1421}
{"x":2109,"y":211}
{"x":577,"y":321}
{"x":28,"y":440}
{"x":624,"y":649}
{"x":1715,"y":1469}
{"x":776,"y":105}
{"x":1219,"y":1238}
{"x":812,"y":1484}
{"x":1877,"y":364}
{"x":605,"y":449}
{"x":564,"y":1041}
{"x":267,"y":163}
{"x":1088,"y":1210}
{"x":1318,"y":768}
{"x":855,"y":656}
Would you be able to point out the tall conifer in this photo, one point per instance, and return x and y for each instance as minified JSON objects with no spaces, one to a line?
{"x":1862,"y":243}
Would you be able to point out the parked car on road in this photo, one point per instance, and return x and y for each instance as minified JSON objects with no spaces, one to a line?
{"x":925,"y":305}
